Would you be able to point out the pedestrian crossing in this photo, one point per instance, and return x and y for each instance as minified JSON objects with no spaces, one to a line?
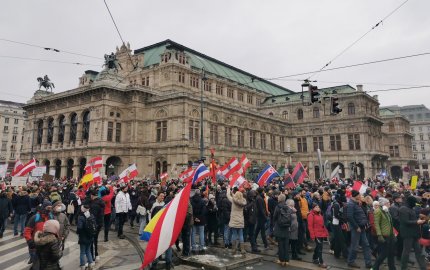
{"x":14,"y":253}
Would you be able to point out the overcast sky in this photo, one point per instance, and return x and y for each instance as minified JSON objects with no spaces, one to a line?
{"x":266,"y":38}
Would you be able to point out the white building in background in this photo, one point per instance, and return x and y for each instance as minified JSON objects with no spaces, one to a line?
{"x":419,"y":118}
{"x":12,"y":118}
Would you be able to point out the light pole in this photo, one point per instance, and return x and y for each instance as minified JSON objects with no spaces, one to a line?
{"x":202,"y":144}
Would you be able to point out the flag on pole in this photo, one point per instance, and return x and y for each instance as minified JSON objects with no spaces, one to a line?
{"x":186,"y":175}
{"x":237,"y":180}
{"x":164,"y":228}
{"x":25,"y":169}
{"x":213,"y":166}
{"x":96,"y":162}
{"x":360,"y":187}
{"x":288,"y":180}
{"x":97,"y":178}
{"x":266,"y":175}
{"x":129,"y":173}
{"x":244,"y":164}
{"x":299,"y":174}
{"x":18,"y":166}
{"x":200,"y":172}
{"x":230,"y":167}
{"x":86,"y":180}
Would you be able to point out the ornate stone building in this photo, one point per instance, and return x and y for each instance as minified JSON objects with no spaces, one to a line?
{"x":148,"y":111}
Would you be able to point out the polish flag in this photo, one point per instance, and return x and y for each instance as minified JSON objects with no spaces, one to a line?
{"x":18,"y":166}
{"x":237,"y":180}
{"x":25,"y":169}
{"x":230,"y":167}
{"x":244,"y":164}
{"x":360,"y":187}
{"x":129,"y":173}
{"x":186,"y":175}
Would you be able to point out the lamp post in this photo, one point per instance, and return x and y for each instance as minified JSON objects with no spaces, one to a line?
{"x":202,"y":144}
{"x":289,"y":153}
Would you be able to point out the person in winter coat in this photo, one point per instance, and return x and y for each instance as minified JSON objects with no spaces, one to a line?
{"x":262,"y":216}
{"x":409,"y":226}
{"x":199,"y":213}
{"x":21,"y":206}
{"x":186,"y":229}
{"x":57,"y":210}
{"x":212,"y":210}
{"x":48,"y":246}
{"x":5,"y":211}
{"x":134,"y":200}
{"x":225,"y":211}
{"x":250,"y":216}
{"x":385,"y":234}
{"x":97,"y":209}
{"x":282,"y":231}
{"x":107,"y":195}
{"x":54,"y":196}
{"x":339,"y":242}
{"x":237,"y":222}
{"x":122,"y":206}
{"x":317,"y":232}
{"x":85,"y":239}
{"x":294,"y":231}
{"x":394,"y":212}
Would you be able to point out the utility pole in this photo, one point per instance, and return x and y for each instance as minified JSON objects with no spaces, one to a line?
{"x":202,"y":143}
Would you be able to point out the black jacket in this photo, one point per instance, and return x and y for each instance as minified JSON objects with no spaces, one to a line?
{"x":408,"y":219}
{"x":97,"y":208}
{"x":395,"y":214}
{"x":21,"y":203}
{"x":5,"y":206}
{"x":356,"y":215}
{"x":261,"y":209}
{"x":84,"y":236}
{"x":224,"y":207}
{"x":199,"y":210}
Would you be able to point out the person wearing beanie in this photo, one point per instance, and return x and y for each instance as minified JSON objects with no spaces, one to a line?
{"x":317,"y":232}
{"x":58,"y":208}
{"x":282,"y":220}
{"x":339,"y":243}
{"x":395,"y":215}
{"x":358,"y":222}
{"x":97,"y":208}
{"x":48,"y":246}
{"x":85,"y":237}
{"x":409,"y":227}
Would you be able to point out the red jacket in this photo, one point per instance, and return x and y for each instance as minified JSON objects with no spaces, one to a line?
{"x":316,"y":225}
{"x":108,"y":201}
{"x":35,"y":224}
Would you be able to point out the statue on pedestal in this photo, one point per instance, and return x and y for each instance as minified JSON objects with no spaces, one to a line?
{"x":46,"y":83}
{"x":111,"y":62}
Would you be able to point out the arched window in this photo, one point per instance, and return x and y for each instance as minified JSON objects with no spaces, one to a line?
{"x":73,"y":127}
{"x":50,"y":130}
{"x":39,"y":131}
{"x":300,"y":114}
{"x":285,"y":114}
{"x":316,"y":112}
{"x":351,"y":109}
{"x":61,"y":128}
{"x":391,"y":127}
{"x":86,"y":126}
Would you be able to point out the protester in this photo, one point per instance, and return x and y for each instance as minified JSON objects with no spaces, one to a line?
{"x":262,"y":216}
{"x":237,"y":222}
{"x":97,"y":208}
{"x":58,"y":208}
{"x":85,"y":229}
{"x":199,"y":214}
{"x":48,"y":246}
{"x":282,"y":219}
{"x":317,"y":232}
{"x":6,"y":211}
{"x":122,"y":206}
{"x":21,"y":206}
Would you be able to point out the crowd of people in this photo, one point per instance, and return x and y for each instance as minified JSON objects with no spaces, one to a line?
{"x":386,"y":222}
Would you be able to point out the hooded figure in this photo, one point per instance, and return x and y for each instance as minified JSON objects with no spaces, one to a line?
{"x":48,"y":246}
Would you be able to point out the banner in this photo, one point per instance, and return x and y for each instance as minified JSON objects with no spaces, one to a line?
{"x":3,"y":170}
{"x":52,"y":172}
{"x":38,"y":171}
{"x":414,"y":182}
{"x":18,"y":181}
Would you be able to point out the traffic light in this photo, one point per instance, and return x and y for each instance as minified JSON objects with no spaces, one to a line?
{"x":334,"y":106}
{"x":313,"y":93}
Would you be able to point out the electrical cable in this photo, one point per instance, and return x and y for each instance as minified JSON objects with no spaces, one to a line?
{"x":353,"y":65}
{"x":45,"y":60}
{"x":398,"y":89}
{"x":360,"y":38}
{"x":48,"y":48}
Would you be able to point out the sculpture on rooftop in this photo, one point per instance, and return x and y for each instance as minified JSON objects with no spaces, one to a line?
{"x":45,"y":82}
{"x":111,"y":62}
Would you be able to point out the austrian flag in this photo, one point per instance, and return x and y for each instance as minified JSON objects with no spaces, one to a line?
{"x":237,"y":180}
{"x":360,"y":187}
{"x":129,"y":173}
{"x":186,"y":175}
{"x":230,"y":167}
{"x":244,"y":164}
{"x":25,"y":169}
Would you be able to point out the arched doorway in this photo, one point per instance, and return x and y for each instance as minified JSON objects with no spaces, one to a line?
{"x":47,"y":164}
{"x":359,"y":171}
{"x":113,"y":165}
{"x":396,"y":172}
{"x":58,"y":168}
{"x":342,"y":169}
{"x":317,"y":172}
{"x":70,"y":163}
{"x":82,"y":164}
{"x":157,"y":169}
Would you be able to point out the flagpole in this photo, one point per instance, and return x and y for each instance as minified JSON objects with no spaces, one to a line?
{"x":202,"y":144}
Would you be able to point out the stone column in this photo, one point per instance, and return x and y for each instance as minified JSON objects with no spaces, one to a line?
{"x":55,"y":134}
{"x":67,"y":133}
{"x":79,"y":133}
{"x":45,"y":133}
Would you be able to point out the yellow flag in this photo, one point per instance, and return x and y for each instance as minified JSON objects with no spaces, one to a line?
{"x":86,"y":178}
{"x":414,"y":182}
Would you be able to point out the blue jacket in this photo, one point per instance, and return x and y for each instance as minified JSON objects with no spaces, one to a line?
{"x":356,"y":216}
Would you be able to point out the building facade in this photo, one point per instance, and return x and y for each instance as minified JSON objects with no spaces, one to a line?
{"x":145,"y":108}
{"x":12,"y":119}
{"x":419,"y":118}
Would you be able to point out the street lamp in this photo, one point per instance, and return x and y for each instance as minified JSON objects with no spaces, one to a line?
{"x":289,"y":153}
{"x":202,"y":144}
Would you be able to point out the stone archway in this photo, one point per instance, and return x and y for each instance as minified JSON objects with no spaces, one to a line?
{"x":113,"y":164}
{"x":396,"y":172}
{"x":70,"y":164}
{"x":58,"y":168}
{"x":82,"y":164}
{"x":47,"y":164}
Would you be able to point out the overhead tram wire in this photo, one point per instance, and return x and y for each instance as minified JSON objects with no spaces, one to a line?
{"x":398,"y":89}
{"x":45,"y":60}
{"x":356,"y":41}
{"x":48,"y":48}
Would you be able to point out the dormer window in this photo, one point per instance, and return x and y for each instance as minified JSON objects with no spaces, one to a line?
{"x":166,"y":57}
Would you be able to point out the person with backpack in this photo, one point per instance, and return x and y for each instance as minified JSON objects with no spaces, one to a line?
{"x":338,"y":220}
{"x":97,"y":208}
{"x":250,"y":216}
{"x":48,"y":246}
{"x":281,"y":230}
{"x":57,"y":210}
{"x":86,"y":229}
{"x":317,"y":232}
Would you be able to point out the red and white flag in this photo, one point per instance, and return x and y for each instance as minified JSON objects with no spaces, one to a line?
{"x":237,"y":180}
{"x":360,"y":187}
{"x":186,"y":175}
{"x":28,"y":167}
{"x":129,"y":173}
{"x":244,"y":164}
{"x":168,"y":226}
{"x":164,"y":176}
{"x":97,"y":178}
{"x":230,"y":167}
{"x":96,"y":162}
{"x":18,"y":166}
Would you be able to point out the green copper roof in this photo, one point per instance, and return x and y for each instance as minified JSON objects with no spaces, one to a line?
{"x":386,"y":112}
{"x":211,"y":65}
{"x":341,"y":89}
